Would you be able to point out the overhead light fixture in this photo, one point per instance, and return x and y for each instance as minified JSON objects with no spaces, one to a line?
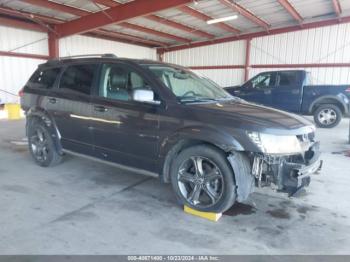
{"x":223,"y":19}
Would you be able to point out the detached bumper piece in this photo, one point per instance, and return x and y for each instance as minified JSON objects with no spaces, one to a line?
{"x":297,"y":176}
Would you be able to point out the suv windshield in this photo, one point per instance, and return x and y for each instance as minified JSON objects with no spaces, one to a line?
{"x":187,"y":86}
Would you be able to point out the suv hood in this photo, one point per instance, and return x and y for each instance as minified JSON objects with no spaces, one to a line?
{"x":252,"y":117}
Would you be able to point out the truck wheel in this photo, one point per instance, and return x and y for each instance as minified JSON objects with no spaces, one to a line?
{"x":327,"y":116}
{"x":41,"y":145}
{"x":203,"y":179}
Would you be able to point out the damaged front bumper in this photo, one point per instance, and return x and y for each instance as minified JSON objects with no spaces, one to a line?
{"x":289,"y":173}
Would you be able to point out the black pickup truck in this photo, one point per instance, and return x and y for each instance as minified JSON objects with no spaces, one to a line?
{"x":293,"y":91}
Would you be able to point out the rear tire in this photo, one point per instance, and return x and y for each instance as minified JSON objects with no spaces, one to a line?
{"x":41,"y":145}
{"x":203,"y":179}
{"x":327,"y":116}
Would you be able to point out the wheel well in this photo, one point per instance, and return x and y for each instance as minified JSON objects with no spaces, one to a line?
{"x":175,"y":151}
{"x":49,"y":125}
{"x":328,"y":101}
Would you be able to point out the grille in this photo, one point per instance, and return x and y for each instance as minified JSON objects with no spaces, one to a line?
{"x":310,"y":137}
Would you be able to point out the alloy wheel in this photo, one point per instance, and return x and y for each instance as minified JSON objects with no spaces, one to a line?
{"x":200,"y":181}
{"x":39,"y":145}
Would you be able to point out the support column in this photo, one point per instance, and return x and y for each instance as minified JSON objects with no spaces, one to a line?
{"x":247,"y":59}
{"x":160,"y":55}
{"x":53,"y":41}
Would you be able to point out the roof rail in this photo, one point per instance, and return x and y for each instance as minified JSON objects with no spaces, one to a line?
{"x":84,"y":56}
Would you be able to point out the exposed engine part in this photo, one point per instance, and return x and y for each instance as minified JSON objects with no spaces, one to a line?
{"x":257,"y":168}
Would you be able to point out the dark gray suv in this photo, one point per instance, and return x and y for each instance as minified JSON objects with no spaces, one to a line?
{"x":152,"y":117}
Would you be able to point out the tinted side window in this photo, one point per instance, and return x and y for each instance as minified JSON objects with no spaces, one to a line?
{"x":43,"y":78}
{"x":264,"y":80}
{"x":287,"y":78}
{"x":78,"y":78}
{"x":118,"y":82}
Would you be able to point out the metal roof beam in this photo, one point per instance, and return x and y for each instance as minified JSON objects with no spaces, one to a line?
{"x":132,"y":38}
{"x":117,"y":14}
{"x":199,"y":15}
{"x":244,"y":12}
{"x":21,"y":24}
{"x":80,"y":12}
{"x":108,"y":3}
{"x":162,"y":20}
{"x":275,"y":31}
{"x":154,"y":32}
{"x":30,"y":16}
{"x":291,"y":10}
{"x":96,"y":33}
{"x":58,"y":7}
{"x":179,"y":26}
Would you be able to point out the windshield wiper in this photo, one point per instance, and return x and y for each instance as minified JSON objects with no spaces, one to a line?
{"x":197,"y":99}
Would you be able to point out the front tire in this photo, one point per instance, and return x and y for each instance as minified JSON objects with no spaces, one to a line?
{"x":41,"y":145}
{"x":327,"y":116}
{"x":203,"y":179}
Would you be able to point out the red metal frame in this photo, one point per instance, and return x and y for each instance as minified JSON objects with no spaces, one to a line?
{"x":154,"y":32}
{"x":163,"y":21}
{"x":247,"y":59}
{"x":80,"y":12}
{"x":217,"y":67}
{"x":100,"y":33}
{"x":192,"y":12}
{"x":24,"y":55}
{"x":21,"y":24}
{"x":291,"y":10}
{"x":116,"y":14}
{"x":53,"y":43}
{"x":30,"y":16}
{"x":179,"y":26}
{"x":131,"y":39}
{"x":310,"y":65}
{"x":269,"y":66}
{"x":276,"y":31}
{"x":244,"y":12}
{"x":58,"y":7}
{"x":109,"y":3}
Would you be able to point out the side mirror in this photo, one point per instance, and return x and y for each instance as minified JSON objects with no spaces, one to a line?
{"x":145,"y":96}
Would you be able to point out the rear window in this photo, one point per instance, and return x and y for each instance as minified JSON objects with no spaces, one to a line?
{"x":78,"y":78}
{"x":287,"y":78}
{"x":43,"y":78}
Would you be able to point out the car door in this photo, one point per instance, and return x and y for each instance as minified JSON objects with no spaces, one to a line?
{"x":258,"y":89}
{"x":288,"y":92}
{"x":125,"y":131}
{"x":69,"y":104}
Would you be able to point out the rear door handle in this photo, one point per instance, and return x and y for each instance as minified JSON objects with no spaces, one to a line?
{"x":52,"y":100}
{"x":100,"y":109}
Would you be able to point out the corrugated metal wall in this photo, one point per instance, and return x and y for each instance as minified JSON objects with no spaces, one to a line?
{"x":322,"y":45}
{"x":77,"y":45}
{"x":15,"y":71}
{"x":231,"y":53}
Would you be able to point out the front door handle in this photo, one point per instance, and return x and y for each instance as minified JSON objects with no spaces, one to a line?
{"x":100,"y":109}
{"x":52,"y":100}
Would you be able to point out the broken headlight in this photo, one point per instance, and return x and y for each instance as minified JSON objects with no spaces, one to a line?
{"x":274,"y":144}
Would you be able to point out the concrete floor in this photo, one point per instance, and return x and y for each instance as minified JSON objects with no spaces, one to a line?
{"x":82,"y":207}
